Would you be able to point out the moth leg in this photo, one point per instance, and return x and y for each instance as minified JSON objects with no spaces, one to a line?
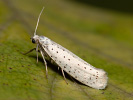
{"x":58,"y":68}
{"x":30,"y":51}
{"x":37,"y":52}
{"x":44,"y":63}
{"x":63,"y":75}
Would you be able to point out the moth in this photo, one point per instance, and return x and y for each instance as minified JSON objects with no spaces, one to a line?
{"x":69,"y":62}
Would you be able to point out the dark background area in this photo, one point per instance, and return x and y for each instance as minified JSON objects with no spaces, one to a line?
{"x":125,"y":6}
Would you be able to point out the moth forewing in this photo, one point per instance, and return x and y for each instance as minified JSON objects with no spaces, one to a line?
{"x":73,"y":65}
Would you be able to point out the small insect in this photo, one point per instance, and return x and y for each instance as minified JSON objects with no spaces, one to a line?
{"x":69,"y":62}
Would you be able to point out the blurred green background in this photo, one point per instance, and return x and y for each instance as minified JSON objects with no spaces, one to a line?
{"x":100,"y":32}
{"x":116,"y":5}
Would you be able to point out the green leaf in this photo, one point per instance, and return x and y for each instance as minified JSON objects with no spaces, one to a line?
{"x":100,"y":37}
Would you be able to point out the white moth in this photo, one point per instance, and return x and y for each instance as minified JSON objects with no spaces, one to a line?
{"x":69,"y":62}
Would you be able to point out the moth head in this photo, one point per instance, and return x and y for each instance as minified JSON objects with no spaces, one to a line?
{"x":35,"y":39}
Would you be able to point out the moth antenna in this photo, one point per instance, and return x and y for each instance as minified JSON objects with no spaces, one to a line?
{"x":38,"y":20}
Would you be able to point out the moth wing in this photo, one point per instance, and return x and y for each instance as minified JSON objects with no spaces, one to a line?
{"x":76,"y":67}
